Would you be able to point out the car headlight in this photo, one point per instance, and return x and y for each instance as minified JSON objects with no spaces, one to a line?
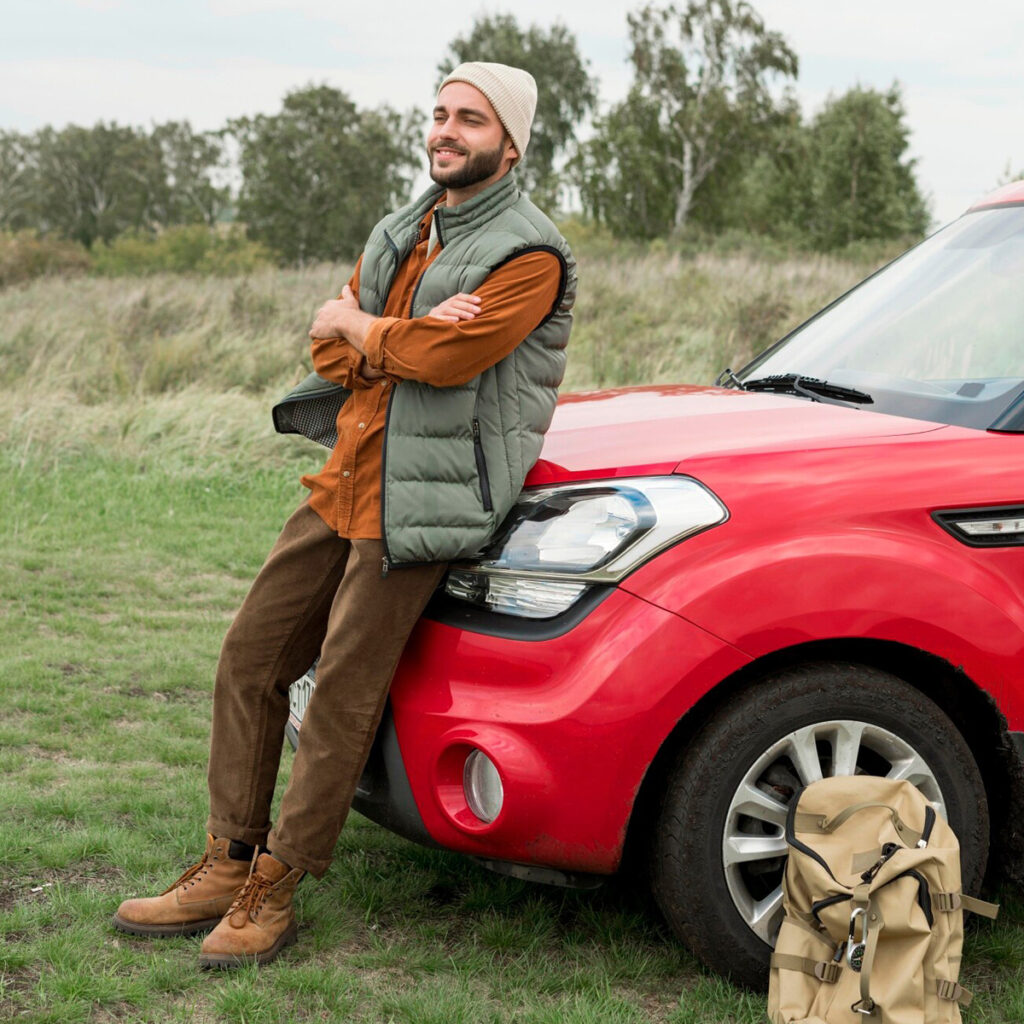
{"x":558,"y":541}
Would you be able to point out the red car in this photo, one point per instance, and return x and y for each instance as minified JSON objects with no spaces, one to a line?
{"x":710,"y":596}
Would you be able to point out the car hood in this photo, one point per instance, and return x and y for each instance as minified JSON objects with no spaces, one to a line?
{"x":661,"y":429}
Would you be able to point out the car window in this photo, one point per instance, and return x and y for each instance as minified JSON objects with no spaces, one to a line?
{"x":936,"y":335}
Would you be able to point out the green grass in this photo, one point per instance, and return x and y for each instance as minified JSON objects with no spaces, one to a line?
{"x":117,"y":583}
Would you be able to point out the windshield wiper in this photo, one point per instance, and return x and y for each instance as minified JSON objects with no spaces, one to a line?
{"x":808,"y":387}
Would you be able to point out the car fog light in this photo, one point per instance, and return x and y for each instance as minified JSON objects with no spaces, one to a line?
{"x":482,"y":783}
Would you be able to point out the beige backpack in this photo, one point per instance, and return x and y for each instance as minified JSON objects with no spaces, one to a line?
{"x":873,"y":924}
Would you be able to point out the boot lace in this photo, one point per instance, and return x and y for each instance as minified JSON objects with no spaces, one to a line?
{"x":249,"y":899}
{"x":191,"y":873}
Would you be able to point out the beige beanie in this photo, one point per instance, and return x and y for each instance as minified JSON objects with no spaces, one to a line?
{"x":511,"y":91}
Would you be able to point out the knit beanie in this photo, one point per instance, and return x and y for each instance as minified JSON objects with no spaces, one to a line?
{"x":511,"y":91}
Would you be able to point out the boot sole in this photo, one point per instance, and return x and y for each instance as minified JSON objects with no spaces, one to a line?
{"x":165,"y":931}
{"x":230,"y":961}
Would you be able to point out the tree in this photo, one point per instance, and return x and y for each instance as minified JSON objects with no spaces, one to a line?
{"x":566,"y":93}
{"x":17,"y":180}
{"x":189,"y":160}
{"x":705,"y":72}
{"x":620,"y":174}
{"x":318,"y":175}
{"x":94,"y":183}
{"x":862,"y":187}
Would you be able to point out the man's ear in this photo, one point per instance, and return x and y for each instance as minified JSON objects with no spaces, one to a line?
{"x":510,"y":149}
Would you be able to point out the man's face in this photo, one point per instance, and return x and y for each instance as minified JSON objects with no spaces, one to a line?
{"x":467,"y":144}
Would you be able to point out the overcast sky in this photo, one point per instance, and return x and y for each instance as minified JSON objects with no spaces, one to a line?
{"x":961,"y":64}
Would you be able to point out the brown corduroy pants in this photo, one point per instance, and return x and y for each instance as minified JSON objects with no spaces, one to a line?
{"x":317,"y":594}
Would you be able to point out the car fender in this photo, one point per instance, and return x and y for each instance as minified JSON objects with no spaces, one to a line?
{"x":930,"y":593}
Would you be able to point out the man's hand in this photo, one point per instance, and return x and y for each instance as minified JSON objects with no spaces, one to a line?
{"x":342,"y":318}
{"x":459,"y":307}
{"x":329,"y":321}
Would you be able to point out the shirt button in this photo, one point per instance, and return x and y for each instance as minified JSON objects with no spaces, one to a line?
{"x":361,"y":425}
{"x":346,"y":473}
{"x":383,"y":383}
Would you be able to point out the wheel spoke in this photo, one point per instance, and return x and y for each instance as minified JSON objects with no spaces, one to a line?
{"x":913,"y":769}
{"x":847,"y":747}
{"x":767,"y":916}
{"x":756,"y":803}
{"x":803,"y":751}
{"x":739,"y":848}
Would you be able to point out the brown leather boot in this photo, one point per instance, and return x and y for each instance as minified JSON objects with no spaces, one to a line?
{"x":194,"y":903}
{"x":261,"y":921}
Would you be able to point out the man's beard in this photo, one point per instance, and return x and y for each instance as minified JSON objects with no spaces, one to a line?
{"x":478,"y":167}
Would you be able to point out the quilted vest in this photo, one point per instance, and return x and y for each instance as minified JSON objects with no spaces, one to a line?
{"x":455,"y":458}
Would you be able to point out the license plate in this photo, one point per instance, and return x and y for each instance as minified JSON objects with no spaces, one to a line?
{"x":298,"y":697}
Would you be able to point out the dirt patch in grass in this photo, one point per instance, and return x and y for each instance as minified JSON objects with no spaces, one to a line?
{"x":22,"y":981}
{"x":56,"y":756}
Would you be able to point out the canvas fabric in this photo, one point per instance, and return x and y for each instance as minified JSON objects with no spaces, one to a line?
{"x":873,"y":925}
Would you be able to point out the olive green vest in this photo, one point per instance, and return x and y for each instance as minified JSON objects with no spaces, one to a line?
{"x":455,"y":458}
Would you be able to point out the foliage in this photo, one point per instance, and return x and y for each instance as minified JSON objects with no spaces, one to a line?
{"x":92,"y":184}
{"x":318,"y":175}
{"x":861,"y":184}
{"x":24,"y":256}
{"x":16,"y":180}
{"x":621,"y":176}
{"x":183,"y":249}
{"x":700,"y":95}
{"x":190,"y":160}
{"x":566,"y":93}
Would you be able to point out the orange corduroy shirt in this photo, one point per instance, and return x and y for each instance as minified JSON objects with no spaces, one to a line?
{"x":514,"y":299}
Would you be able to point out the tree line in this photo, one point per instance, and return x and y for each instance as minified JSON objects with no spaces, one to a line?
{"x":710,"y":137}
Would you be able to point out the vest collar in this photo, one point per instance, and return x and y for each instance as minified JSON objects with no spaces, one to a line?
{"x":455,"y":221}
{"x":452,"y":221}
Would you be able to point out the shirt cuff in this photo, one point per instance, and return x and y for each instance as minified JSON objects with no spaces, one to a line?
{"x":373,"y":343}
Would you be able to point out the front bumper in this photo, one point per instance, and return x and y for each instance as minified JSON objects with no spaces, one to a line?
{"x":572,"y":723}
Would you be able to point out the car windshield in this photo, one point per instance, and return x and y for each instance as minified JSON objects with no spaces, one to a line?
{"x":936,"y":335}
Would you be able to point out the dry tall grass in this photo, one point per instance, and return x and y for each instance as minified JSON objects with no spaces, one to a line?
{"x":184,"y":369}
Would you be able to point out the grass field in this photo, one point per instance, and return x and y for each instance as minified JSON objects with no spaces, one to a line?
{"x":141,"y":490}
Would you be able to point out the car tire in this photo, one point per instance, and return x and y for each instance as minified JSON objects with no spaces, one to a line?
{"x":753,"y":753}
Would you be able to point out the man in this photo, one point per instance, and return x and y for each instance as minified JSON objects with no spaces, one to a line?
{"x":440,"y":363}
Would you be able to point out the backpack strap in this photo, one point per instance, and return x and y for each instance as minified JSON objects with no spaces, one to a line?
{"x":827,"y":971}
{"x":953,"y":991}
{"x":872,"y":925}
{"x":950,"y":901}
{"x":806,"y":822}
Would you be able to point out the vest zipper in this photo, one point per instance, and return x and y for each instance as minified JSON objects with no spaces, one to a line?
{"x":481,"y":467}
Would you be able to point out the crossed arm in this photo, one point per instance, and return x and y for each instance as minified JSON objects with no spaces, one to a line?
{"x":455,"y":341}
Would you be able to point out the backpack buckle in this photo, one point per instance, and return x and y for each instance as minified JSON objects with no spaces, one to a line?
{"x":854,"y":946}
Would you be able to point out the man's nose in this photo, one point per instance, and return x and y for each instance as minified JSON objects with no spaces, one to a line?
{"x":448,"y":128}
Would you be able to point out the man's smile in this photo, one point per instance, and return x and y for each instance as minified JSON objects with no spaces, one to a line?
{"x":447,"y":152}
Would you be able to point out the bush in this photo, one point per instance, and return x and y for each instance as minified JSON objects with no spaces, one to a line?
{"x":25,"y":255}
{"x":191,"y":248}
